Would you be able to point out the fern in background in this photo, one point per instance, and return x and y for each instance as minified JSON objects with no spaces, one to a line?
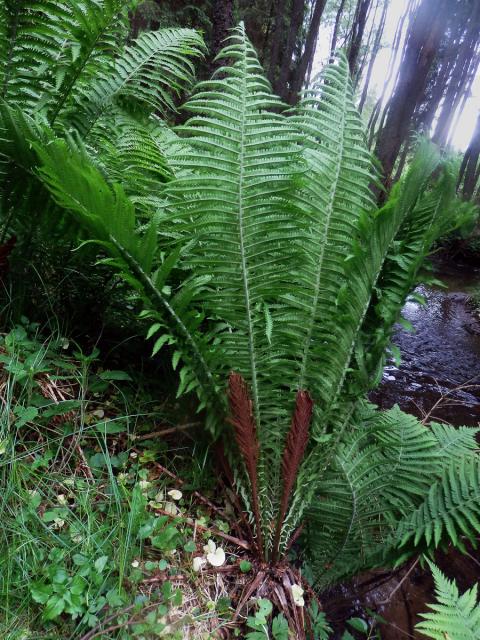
{"x":68,"y":71}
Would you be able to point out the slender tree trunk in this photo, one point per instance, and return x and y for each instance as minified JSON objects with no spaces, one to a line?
{"x":278,"y":38}
{"x":299,"y":75}
{"x":460,"y":73}
{"x":391,"y":64}
{"x":358,"y":29}
{"x":466,"y":95}
{"x":222,"y":23}
{"x":373,"y":57}
{"x":296,"y":21}
{"x":336,"y":28}
{"x":419,"y":54}
{"x":469,"y":170}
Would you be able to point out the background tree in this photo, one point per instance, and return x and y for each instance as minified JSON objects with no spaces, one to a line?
{"x":470,"y":168}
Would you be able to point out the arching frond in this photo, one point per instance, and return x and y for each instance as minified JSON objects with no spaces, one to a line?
{"x":451,"y":507}
{"x":156,"y":66}
{"x":383,"y":469}
{"x":104,"y":209}
{"x":452,"y":616}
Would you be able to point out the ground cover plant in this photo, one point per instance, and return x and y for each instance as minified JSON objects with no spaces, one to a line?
{"x":255,"y":252}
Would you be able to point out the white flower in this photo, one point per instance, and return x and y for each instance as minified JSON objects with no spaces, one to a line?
{"x":170,"y":508}
{"x":135,"y":564}
{"x":58,"y":523}
{"x":297,"y":593}
{"x":175,"y":494}
{"x":134,"y":454}
{"x":98,"y":413}
{"x":144,"y":484}
{"x":217,"y":558}
{"x":198,"y":563}
{"x":62,"y":499}
{"x":210,"y":546}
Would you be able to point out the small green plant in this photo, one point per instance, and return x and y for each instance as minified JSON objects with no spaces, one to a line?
{"x":262,"y":628}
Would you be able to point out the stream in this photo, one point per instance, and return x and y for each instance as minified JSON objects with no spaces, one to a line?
{"x":438,"y":378}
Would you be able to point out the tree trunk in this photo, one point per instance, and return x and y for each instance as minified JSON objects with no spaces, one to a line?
{"x":391,"y":63}
{"x":358,"y":29}
{"x":421,"y":47}
{"x":469,"y":170}
{"x":336,"y":28}
{"x":296,"y":21}
{"x":222,"y":22}
{"x":466,"y":95}
{"x":460,"y":73}
{"x":278,"y":37}
{"x":299,"y":75}
{"x":373,"y":57}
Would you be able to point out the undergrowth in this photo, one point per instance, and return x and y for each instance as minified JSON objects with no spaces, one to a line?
{"x":98,"y":540}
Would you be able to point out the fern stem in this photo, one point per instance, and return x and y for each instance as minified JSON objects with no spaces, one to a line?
{"x":244,"y":265}
{"x":206,"y":380}
{"x":318,"y":277}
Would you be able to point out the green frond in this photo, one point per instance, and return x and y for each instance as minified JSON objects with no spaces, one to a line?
{"x":454,"y":442}
{"x":231,"y":193}
{"x":453,"y":616}
{"x":335,"y":196}
{"x":135,"y":154}
{"x":428,"y":220}
{"x":450,"y":509}
{"x":157,"y":66}
{"x":383,"y":469}
{"x":109,"y":216}
{"x":56,"y":45}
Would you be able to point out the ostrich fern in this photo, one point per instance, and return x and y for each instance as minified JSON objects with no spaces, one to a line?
{"x":453,"y":616}
{"x":284,"y":283}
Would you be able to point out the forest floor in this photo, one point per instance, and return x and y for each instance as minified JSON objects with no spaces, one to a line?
{"x":114,"y":520}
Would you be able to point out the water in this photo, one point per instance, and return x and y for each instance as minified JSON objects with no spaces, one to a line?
{"x":439,"y":377}
{"x":440,"y":368}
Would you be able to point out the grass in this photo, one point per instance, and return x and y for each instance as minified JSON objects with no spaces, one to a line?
{"x":92,"y":543}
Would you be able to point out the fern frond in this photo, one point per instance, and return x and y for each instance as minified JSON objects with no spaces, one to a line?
{"x":451,"y":508}
{"x":55,"y":46}
{"x":454,"y":442}
{"x":104,"y":209}
{"x":422,"y":226}
{"x":237,"y":170}
{"x":453,"y":616}
{"x":383,"y":469}
{"x":335,"y":196}
{"x":146,"y":74}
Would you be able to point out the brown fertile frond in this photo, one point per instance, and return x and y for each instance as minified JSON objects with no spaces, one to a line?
{"x":294,"y":451}
{"x":242,"y":419}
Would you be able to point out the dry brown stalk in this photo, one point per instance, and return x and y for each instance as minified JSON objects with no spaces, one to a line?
{"x":246,"y":437}
{"x":297,"y":440}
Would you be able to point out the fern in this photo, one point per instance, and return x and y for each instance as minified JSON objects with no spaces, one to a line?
{"x":452,"y":506}
{"x":252,"y":239}
{"x":453,"y":616}
{"x":110,"y":217}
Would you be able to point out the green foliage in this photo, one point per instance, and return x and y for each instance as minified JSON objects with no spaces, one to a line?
{"x":260,"y":250}
{"x":261,"y":628}
{"x":453,"y":615}
{"x":67,"y":69}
